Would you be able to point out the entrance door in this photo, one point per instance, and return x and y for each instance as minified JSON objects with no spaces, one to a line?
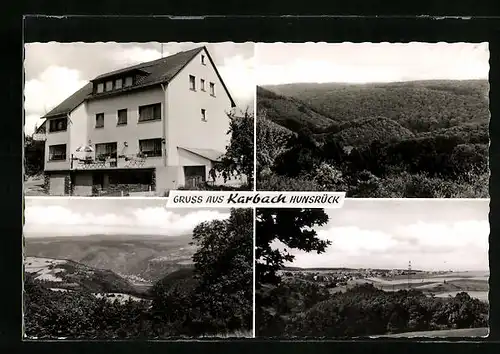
{"x":98,"y":179}
{"x":57,"y":184}
{"x":194,"y":175}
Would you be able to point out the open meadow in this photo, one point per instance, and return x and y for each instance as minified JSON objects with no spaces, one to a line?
{"x":438,"y":284}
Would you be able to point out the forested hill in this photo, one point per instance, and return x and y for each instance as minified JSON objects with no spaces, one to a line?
{"x":290,"y":112}
{"x":417,"y":106}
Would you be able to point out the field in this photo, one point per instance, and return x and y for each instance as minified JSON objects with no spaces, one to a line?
{"x":236,"y":334}
{"x":438,"y":285}
{"x":45,"y":268}
{"x":449,"y":284}
{"x":442,"y":284}
{"x":450,"y":333}
{"x":122,"y":298}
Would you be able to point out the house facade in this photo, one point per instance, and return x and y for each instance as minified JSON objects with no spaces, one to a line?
{"x":150,"y":128}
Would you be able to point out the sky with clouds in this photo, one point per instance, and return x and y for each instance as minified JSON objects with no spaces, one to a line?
{"x":45,"y":217}
{"x":283,"y":63}
{"x":54,"y":71}
{"x":435,"y":234}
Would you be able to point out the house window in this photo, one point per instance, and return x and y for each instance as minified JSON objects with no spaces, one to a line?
{"x":202,"y":84}
{"x":109,"y":85}
{"x":212,"y":89}
{"x":118,"y":83}
{"x":203,"y":115}
{"x":100,"y":88}
{"x":150,"y":147}
{"x":99,"y":120}
{"x":58,"y":125}
{"x":203,"y":60}
{"x":150,"y":112}
{"x":57,"y":152}
{"x":192,"y":83}
{"x":122,"y":117}
{"x":128,"y":81}
{"x":104,"y":151}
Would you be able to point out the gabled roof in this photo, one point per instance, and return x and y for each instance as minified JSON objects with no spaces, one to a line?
{"x":154,"y":72}
{"x":41,"y":128}
{"x":209,"y":154}
{"x":70,"y":103}
{"x":159,"y":70}
{"x":220,"y":78}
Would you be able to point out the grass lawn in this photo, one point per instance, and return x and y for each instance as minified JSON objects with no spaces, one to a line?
{"x":467,"y":332}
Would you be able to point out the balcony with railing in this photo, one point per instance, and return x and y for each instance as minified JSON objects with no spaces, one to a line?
{"x":110,"y":161}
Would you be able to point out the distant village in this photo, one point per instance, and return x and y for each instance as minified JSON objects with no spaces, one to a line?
{"x":340,"y":277}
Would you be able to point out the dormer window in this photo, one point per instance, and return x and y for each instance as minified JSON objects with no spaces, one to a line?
{"x":109,"y":85}
{"x":128,"y":81}
{"x":118,"y":84}
{"x":58,"y":125}
{"x":100,"y":88}
{"x":203,"y":60}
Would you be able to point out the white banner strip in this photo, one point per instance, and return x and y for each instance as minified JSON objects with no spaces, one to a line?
{"x":236,"y":199}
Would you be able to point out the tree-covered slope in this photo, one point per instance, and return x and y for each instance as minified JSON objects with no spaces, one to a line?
{"x":419,"y":105}
{"x":365,"y":131}
{"x":289,"y":112}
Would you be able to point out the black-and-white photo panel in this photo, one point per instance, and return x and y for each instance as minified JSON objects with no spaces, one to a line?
{"x":126,"y":268}
{"x":394,"y":268}
{"x":138,"y":119}
{"x":375,"y":120}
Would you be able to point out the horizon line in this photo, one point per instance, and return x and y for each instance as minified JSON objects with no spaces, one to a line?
{"x":42,"y":235}
{"x":372,"y":82}
{"x":386,"y":268}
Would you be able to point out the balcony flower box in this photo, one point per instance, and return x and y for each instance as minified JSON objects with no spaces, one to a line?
{"x":112,"y":162}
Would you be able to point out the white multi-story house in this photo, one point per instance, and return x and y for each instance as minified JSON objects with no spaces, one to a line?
{"x":158,"y":125}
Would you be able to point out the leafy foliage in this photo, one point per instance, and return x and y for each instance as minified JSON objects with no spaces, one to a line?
{"x":271,"y":141}
{"x":239,"y":156}
{"x":217,"y":295}
{"x":79,"y":314}
{"x":291,"y":227}
{"x":366,"y":130}
{"x":224,"y":263}
{"x":364,"y":310}
{"x":274,"y":182}
{"x":34,"y":152}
